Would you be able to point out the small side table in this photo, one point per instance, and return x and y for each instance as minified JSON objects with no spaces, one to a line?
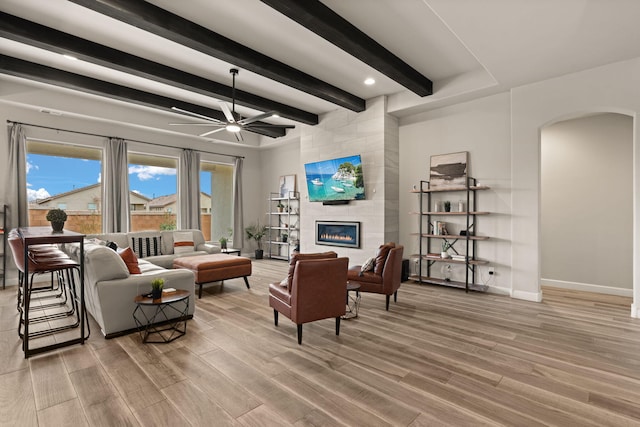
{"x":230,"y":251}
{"x":353,"y":302}
{"x":155,"y":321}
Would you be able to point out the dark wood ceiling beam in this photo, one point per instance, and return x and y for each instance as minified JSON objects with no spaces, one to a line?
{"x":31,"y":33}
{"x":42,"y":73}
{"x":316,"y":17}
{"x":173,"y":27}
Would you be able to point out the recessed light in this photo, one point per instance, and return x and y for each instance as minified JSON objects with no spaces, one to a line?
{"x":71,"y":57}
{"x":369,"y":81}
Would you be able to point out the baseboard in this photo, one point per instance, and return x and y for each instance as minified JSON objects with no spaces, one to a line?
{"x":527,"y":296}
{"x":498,"y":290}
{"x":587,"y":287}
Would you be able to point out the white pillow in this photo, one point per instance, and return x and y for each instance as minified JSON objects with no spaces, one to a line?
{"x":183,"y":242}
{"x":368,"y":265}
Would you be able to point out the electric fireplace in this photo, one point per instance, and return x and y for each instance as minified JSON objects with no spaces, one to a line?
{"x":338,"y":233}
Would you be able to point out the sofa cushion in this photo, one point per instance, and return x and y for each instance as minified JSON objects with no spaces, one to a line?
{"x":381,"y":256}
{"x":183,"y":242}
{"x":130,"y":260}
{"x":103,"y":264}
{"x":146,"y":246}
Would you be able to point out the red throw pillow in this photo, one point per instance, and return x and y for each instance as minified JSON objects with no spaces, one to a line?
{"x":130,"y":259}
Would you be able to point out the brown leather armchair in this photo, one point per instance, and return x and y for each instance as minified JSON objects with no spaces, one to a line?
{"x":385,"y":278}
{"x":316,"y":288}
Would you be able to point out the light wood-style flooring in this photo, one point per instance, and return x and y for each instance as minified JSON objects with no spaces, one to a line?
{"x":437,"y":357}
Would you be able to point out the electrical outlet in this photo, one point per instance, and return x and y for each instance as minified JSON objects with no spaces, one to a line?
{"x":492,"y":271}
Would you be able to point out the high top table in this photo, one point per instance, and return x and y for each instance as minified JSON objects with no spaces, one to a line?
{"x":40,"y":236}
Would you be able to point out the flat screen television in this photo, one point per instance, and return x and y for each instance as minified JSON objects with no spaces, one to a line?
{"x":335,"y":180}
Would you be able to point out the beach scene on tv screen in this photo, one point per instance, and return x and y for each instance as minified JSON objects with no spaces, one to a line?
{"x":335,"y":179}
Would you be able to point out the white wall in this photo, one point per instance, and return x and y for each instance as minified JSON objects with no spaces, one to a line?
{"x":482,"y":128}
{"x":373,"y":135}
{"x":586,"y":204}
{"x":611,"y":88}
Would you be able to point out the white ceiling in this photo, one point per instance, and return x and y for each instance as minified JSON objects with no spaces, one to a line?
{"x":469,"y":48}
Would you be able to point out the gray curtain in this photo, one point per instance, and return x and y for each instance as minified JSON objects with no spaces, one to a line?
{"x":16,"y":178}
{"x":189,"y":190}
{"x":115,"y":206}
{"x":238,"y":224}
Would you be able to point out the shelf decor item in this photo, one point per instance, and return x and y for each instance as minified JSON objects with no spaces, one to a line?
{"x":287,"y":185}
{"x":448,"y":170}
{"x":447,"y":206}
{"x":445,"y":247}
{"x":57,"y":217}
{"x":156,"y":288}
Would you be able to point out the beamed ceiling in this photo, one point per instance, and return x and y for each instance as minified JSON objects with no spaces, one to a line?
{"x":305,"y":58}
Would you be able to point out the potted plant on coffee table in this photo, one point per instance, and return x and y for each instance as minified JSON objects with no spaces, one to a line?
{"x":257,"y":233}
{"x":57,"y":217}
{"x":156,"y":287}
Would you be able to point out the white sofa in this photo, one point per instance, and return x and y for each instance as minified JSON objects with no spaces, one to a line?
{"x":109,"y":287}
{"x":166,"y":244}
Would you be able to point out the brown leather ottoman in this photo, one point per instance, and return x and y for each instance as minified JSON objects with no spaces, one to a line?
{"x":215,"y":267}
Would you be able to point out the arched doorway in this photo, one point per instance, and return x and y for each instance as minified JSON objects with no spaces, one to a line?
{"x":586,"y":208}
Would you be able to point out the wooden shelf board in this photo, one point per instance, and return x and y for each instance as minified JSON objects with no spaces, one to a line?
{"x":450,"y":283}
{"x":450,"y":213}
{"x":442,"y":190}
{"x":449,"y":260}
{"x":451,"y":236}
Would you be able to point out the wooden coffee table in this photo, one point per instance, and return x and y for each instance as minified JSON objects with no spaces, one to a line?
{"x":152,"y":316}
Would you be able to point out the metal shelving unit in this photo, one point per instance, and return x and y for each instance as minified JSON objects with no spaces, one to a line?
{"x":426,"y":258}
{"x":283,"y":221}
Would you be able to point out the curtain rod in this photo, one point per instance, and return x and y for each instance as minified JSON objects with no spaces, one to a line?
{"x":126,"y":139}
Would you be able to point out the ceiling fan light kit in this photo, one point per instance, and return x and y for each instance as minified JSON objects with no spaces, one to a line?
{"x":234,"y":122}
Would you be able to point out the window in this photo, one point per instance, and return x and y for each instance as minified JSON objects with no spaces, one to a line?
{"x":216,"y":200}
{"x":152,"y":192}
{"x":67,"y":177}
{"x":92,"y":206}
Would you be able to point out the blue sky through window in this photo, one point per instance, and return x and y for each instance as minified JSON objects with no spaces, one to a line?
{"x":51,"y":175}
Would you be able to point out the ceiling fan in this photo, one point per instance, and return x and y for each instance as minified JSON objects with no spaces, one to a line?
{"x":234,"y":123}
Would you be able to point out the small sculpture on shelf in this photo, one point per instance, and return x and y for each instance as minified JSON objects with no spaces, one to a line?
{"x":285,"y":236}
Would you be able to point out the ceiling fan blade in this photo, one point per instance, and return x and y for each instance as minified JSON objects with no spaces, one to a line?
{"x":256,"y":118}
{"x":197,"y":124}
{"x":212,"y":131}
{"x":227,"y":112}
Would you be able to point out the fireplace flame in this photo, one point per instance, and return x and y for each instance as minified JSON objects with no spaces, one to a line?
{"x":336,"y":237}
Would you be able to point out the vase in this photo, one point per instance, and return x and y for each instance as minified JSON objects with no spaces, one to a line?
{"x":259,"y":253}
{"x":444,"y":255}
{"x":223,"y":245}
{"x":57,"y":226}
{"x":156,"y":293}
